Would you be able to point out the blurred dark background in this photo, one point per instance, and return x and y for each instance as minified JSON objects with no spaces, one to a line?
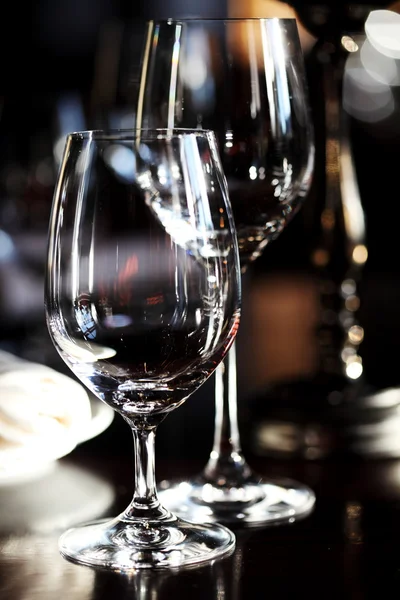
{"x":74,"y":65}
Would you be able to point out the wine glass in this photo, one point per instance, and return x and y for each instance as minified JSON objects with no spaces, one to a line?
{"x":244,"y":79}
{"x":142,"y":303}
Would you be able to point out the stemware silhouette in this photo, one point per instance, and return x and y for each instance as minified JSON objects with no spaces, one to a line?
{"x":244,"y":79}
{"x":142,"y":303}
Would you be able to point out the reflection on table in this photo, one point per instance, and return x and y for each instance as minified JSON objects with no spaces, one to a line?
{"x":348,"y":548}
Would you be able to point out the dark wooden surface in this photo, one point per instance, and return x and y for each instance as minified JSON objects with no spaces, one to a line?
{"x":348,"y":548}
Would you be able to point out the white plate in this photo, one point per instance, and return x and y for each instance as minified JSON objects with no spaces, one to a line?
{"x":102,"y":417}
{"x":21,"y":471}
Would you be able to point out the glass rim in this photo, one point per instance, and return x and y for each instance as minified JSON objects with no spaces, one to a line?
{"x":141,"y":133}
{"x":179,"y":20}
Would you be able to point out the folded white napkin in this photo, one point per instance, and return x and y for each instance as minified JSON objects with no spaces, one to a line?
{"x":43,"y":413}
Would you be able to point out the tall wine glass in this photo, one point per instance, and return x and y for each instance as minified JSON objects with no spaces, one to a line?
{"x":142,"y":303}
{"x":245,"y":79}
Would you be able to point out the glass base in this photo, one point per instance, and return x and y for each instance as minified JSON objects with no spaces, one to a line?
{"x":252,"y":504}
{"x":124,"y":544}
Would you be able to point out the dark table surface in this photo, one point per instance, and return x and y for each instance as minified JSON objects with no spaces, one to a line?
{"x":349,"y":547}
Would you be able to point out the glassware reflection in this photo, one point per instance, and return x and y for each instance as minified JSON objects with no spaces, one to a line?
{"x":214,"y":582}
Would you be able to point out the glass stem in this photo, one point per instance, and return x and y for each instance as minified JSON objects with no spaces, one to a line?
{"x":226,"y":464}
{"x":145,"y":503}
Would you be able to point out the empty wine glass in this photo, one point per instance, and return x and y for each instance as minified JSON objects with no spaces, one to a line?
{"x":244,"y":79}
{"x":142,"y":303}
